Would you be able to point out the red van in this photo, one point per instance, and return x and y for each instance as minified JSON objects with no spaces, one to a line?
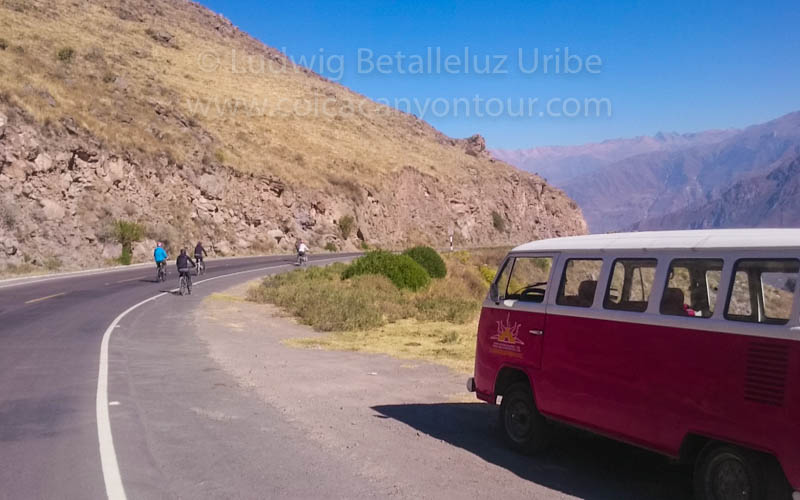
{"x":683,"y":342}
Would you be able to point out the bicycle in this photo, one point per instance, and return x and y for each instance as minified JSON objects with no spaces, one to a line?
{"x":200,"y":268}
{"x":161,"y":275}
{"x":302,"y":259}
{"x":185,"y":283}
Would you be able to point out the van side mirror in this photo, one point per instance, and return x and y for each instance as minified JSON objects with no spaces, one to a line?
{"x":494,"y":295}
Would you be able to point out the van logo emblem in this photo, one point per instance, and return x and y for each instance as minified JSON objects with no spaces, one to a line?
{"x":507,"y":336}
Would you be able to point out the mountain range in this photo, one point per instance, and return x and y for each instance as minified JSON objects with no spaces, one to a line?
{"x":676,"y":181}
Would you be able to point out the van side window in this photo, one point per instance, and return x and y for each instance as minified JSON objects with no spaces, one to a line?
{"x":763,"y":290}
{"x":630,"y":284}
{"x":692,"y":287}
{"x":739,"y":303}
{"x":527,"y":280}
{"x":579,"y":282}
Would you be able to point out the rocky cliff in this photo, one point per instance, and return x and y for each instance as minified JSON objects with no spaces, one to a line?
{"x":61,"y":188}
{"x":109,"y":112}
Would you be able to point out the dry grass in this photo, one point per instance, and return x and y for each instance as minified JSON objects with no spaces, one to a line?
{"x":137,"y":94}
{"x":369,"y":314}
{"x":445,"y":343}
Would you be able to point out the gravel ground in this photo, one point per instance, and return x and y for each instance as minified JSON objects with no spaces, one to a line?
{"x":411,"y":428}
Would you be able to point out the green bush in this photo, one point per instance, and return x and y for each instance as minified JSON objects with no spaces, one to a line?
{"x":346,"y":224}
{"x":66,"y":54}
{"x":401,"y":270}
{"x":127,"y":233}
{"x":330,"y":246}
{"x":429,"y":259}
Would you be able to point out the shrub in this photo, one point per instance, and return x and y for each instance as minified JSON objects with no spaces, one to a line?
{"x":52,"y":263}
{"x":321,"y":299}
{"x":442,"y":307}
{"x":429,"y":259}
{"x":488,"y":273}
{"x":346,"y":224}
{"x":330,"y":246}
{"x":66,"y":54}
{"x":3,"y":44}
{"x":126,"y":233}
{"x":498,"y":221}
{"x":400,"y":269}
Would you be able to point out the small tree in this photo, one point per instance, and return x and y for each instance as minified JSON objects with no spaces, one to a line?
{"x":346,"y":225}
{"x":127,"y":233}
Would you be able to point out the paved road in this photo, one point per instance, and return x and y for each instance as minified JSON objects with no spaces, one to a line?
{"x":50,"y":339}
{"x":335,"y":425}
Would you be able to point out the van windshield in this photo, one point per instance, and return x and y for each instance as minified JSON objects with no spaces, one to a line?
{"x":525,"y":279}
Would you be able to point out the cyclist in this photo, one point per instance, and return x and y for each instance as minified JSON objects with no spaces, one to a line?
{"x":302,"y":250}
{"x":199,"y":252}
{"x":160,"y":256}
{"x":182,"y":263}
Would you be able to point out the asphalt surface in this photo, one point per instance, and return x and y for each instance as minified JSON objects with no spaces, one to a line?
{"x":214,"y":406}
{"x":50,"y":338}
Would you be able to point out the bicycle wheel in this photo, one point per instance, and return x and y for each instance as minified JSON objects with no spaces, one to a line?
{"x":183,"y":285}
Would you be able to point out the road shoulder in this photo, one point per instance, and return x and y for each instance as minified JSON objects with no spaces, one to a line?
{"x":411,"y":425}
{"x":361,"y":406}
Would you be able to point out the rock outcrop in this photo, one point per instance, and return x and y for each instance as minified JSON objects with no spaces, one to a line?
{"x":62,"y":189}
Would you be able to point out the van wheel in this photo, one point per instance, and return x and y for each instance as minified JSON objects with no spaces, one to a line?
{"x":725,"y":472}
{"x":524,"y":428}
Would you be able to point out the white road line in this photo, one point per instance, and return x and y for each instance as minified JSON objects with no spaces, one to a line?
{"x":108,"y":456}
{"x":33,"y":301}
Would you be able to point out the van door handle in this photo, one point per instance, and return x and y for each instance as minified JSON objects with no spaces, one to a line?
{"x":536,"y":332}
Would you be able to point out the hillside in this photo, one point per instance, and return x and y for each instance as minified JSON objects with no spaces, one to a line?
{"x":761,"y":201}
{"x":682,"y":172}
{"x":163,"y":112}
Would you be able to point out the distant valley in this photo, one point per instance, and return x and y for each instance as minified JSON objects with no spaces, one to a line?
{"x":712,"y":179}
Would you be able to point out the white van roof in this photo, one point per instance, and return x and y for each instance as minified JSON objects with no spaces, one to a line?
{"x":664,"y":240}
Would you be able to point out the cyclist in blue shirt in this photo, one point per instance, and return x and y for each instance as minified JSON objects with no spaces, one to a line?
{"x":160,"y":256}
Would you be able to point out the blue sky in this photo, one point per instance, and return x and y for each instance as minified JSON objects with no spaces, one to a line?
{"x":665,"y":66}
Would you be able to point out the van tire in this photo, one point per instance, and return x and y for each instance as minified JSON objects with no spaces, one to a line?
{"x":523,"y":427}
{"x":726,"y":472}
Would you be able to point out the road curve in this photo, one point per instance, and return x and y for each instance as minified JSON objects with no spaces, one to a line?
{"x":50,"y":343}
